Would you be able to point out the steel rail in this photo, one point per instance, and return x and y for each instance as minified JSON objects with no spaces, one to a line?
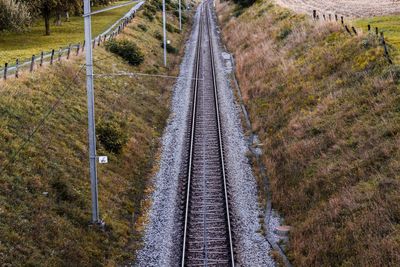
{"x":192,"y":135}
{"x":205,"y":13}
{"x":215,"y":85}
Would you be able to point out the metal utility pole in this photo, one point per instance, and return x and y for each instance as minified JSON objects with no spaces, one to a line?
{"x":91,"y":116}
{"x":180,"y":16}
{"x":165,"y":34}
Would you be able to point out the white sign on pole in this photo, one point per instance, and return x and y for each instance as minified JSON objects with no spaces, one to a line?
{"x":103,"y":159}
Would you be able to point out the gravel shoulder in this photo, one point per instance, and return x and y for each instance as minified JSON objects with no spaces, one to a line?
{"x":161,"y":232}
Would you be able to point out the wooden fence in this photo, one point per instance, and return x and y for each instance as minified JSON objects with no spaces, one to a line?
{"x":352,"y":31}
{"x":65,"y":53}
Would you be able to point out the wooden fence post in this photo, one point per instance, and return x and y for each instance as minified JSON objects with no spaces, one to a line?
{"x":41,"y":59}
{"x":342,"y":19}
{"x":385,"y":48}
{"x":369,"y":27}
{"x":59,"y":54}
{"x":16,"y":68}
{"x":78,"y":48}
{"x":336,"y":17}
{"x":324,"y":16}
{"x":330,"y":17}
{"x":69,"y":51}
{"x":5,"y":71}
{"x":376,"y":30}
{"x":32,"y":63}
{"x":347,"y":29}
{"x":52,"y":57}
{"x":83,"y":46}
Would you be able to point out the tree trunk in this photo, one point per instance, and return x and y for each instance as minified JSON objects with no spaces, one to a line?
{"x":47,"y":23}
{"x":58,"y":21}
{"x":67,"y":16}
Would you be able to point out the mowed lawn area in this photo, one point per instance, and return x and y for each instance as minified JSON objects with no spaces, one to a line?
{"x":390,"y":25}
{"x":32,"y":42}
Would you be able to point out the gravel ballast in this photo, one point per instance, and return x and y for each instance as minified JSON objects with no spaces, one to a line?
{"x":161,"y":234}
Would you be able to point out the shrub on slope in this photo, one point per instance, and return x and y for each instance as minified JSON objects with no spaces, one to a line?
{"x":127,"y":50}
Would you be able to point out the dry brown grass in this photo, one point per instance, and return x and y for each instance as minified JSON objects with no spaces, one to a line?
{"x":327,"y":109}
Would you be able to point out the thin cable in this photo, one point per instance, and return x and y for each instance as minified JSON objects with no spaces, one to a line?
{"x":130,"y":74}
{"x":110,"y":8}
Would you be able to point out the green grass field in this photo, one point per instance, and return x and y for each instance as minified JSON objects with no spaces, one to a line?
{"x":390,"y":25}
{"x":24,"y":45}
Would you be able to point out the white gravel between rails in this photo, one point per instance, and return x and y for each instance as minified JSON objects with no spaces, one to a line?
{"x":251,"y":247}
{"x":160,"y":233}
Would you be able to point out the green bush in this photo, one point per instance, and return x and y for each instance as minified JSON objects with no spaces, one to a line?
{"x":170,"y":49}
{"x":152,"y":9}
{"x":244,"y":3}
{"x":171,"y":28}
{"x":170,"y":5}
{"x":127,"y":50}
{"x":112,"y":136}
{"x":284,"y":33}
{"x":184,"y":18}
{"x":157,"y":4}
{"x":142,"y":27}
{"x":148,"y":14}
{"x":63,"y":190}
{"x":158,"y":35}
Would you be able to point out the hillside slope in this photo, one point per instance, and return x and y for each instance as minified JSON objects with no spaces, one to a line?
{"x":44,"y":184}
{"x":326,"y":107}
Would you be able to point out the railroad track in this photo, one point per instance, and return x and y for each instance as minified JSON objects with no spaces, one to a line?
{"x":207,"y":235}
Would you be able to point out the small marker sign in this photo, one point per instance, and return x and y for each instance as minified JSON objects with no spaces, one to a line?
{"x":103,"y":159}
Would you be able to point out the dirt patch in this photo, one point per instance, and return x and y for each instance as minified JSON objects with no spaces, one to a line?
{"x":351,"y":8}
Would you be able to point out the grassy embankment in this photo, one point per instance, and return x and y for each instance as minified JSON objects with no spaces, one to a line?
{"x":32,"y":42}
{"x":45,"y":191}
{"x":327,"y":109}
{"x":390,"y":25}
